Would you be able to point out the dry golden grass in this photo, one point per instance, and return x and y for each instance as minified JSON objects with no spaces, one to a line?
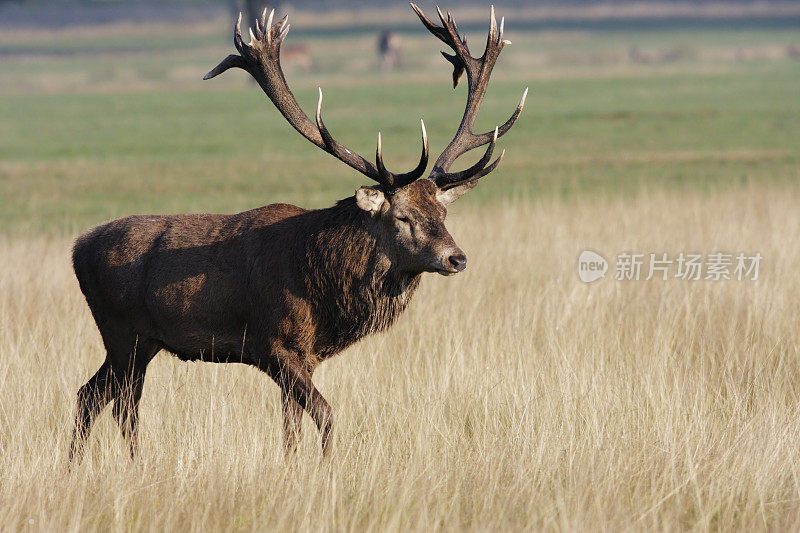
{"x":512,"y":396}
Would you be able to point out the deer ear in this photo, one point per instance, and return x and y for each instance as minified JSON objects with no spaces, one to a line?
{"x":448,"y":196}
{"x":370,"y":199}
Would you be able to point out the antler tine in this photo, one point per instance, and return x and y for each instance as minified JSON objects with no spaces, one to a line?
{"x":379,"y":161}
{"x":483,"y":138}
{"x":284,"y":28}
{"x":237,"y":34}
{"x":492,"y":24}
{"x":399,"y":180}
{"x":261,"y":59}
{"x":478,"y":72}
{"x":456,"y":177}
{"x":478,"y":175}
{"x":344,"y":154}
{"x":454,"y":40}
{"x":433,"y":28}
{"x":446,"y":24}
{"x":259,"y":33}
{"x":491,"y":167}
{"x":263,"y":20}
{"x":268,"y":26}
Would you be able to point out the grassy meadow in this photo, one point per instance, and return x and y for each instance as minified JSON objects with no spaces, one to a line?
{"x":512,"y":396}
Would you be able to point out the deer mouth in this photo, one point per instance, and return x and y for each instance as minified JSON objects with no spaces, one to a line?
{"x":446,"y":272}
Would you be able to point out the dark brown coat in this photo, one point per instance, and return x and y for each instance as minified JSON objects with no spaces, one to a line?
{"x":280,"y":287}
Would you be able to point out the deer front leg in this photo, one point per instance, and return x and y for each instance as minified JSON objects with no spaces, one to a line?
{"x":295,"y":382}
{"x":292,"y":418}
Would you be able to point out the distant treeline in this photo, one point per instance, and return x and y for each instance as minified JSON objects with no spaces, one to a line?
{"x":63,"y":13}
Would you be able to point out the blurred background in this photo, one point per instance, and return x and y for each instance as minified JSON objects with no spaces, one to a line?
{"x":103,"y":111}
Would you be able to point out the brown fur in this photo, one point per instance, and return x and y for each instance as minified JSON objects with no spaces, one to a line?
{"x":280,"y":288}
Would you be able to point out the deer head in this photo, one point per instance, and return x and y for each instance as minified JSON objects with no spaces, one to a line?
{"x":407,"y":213}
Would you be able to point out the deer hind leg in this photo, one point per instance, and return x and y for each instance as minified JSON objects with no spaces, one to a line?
{"x":120,"y":378}
{"x":92,"y":398}
{"x":127,"y":390}
{"x":127,"y":394}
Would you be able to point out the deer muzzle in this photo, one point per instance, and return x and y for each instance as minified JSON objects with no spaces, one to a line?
{"x":455,"y":262}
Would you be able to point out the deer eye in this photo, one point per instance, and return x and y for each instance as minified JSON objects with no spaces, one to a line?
{"x":403,"y":219}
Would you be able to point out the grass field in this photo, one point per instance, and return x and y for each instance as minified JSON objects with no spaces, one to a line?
{"x":512,"y":396}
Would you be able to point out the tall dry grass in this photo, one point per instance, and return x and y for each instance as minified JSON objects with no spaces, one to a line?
{"x":511,"y":396}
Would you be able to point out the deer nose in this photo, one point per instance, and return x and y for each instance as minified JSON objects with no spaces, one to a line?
{"x":458,"y":261}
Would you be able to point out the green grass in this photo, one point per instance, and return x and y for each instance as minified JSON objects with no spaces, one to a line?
{"x":84,"y":138}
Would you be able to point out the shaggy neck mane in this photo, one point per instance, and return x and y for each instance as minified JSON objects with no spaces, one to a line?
{"x":357,"y":290}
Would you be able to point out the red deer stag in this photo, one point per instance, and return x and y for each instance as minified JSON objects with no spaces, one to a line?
{"x":280,"y":288}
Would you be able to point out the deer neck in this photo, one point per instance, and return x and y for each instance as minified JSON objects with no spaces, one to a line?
{"x":346,"y":254}
{"x":353,"y":277}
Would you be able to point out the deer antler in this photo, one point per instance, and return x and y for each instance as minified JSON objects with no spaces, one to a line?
{"x":478,"y":72}
{"x":261,"y":59}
